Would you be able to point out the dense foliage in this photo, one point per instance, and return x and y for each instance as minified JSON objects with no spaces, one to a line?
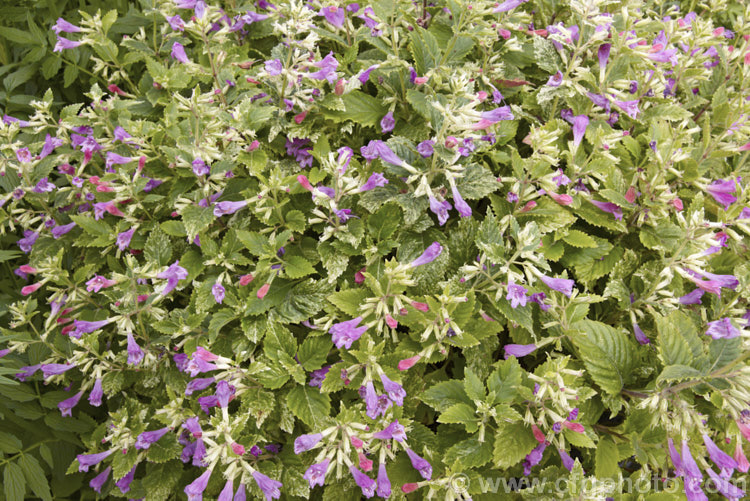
{"x":401,"y":249}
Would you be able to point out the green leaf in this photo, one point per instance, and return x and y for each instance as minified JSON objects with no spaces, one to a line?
{"x":385,"y":221}
{"x":14,"y":482}
{"x":513,"y":441}
{"x":504,"y":380}
{"x":361,"y":108}
{"x":35,"y":477}
{"x":9,"y":444}
{"x":545,"y":55}
{"x":334,"y":262}
{"x":298,"y":267}
{"x":196,"y":219}
{"x":609,"y":355}
{"x":579,"y":239}
{"x":673,"y":347}
{"x":606,"y":458}
{"x":458,"y":413}
{"x":295,"y":221}
{"x":672,"y":373}
{"x":309,"y":405}
{"x":477,"y":182}
{"x":425,"y":48}
{"x":722,"y":352}
{"x":470,"y":453}
{"x":165,"y":449}
{"x":489,"y":239}
{"x":91,"y":226}
{"x":158,"y":248}
{"x":473,"y":386}
{"x":349,"y":300}
{"x":256,"y":243}
{"x":445,"y":394}
{"x":173,"y":228}
{"x":313,"y":352}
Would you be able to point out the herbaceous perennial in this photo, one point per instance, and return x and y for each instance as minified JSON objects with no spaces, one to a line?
{"x":367,"y":249}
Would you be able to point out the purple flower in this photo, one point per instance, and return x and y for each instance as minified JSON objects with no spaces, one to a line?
{"x":609,"y":207}
{"x":421,"y":465}
{"x":629,"y":107}
{"x":135,"y":353}
{"x":344,"y":214}
{"x":516,"y":295}
{"x":511,"y":197}
{"x":429,"y":255}
{"x":689,"y":467}
{"x":173,"y":274}
{"x":223,"y":208}
{"x":639,"y":335}
{"x":387,"y":123}
{"x":375,"y":180}
{"x":219,"y":292}
{"x":363,"y":481}
{"x":327,"y":70}
{"x":507,"y":5}
{"x":193,"y":426}
{"x":124,"y":483}
{"x":84,"y":327}
{"x":63,"y":43}
{"x":44,"y":186}
{"x":559,"y":284}
{"x":316,"y":474}
{"x":722,"y":329}
{"x":567,"y":461}
{"x":317,"y":376}
{"x":345,"y":333}
{"x":96,"y":394}
{"x":274,"y":67}
{"x":28,"y":240}
{"x":240,"y":494}
{"x":518,"y":350}
{"x":55,"y":369}
{"x":384,"y":484}
{"x":195,"y":490}
{"x":98,"y":481}
{"x":561,"y":179}
{"x":580,"y":122}
{"x":393,"y":431}
{"x":304,"y":443}
{"x":147,"y":438}
{"x":66,"y":406}
{"x":440,"y":209}
{"x":227,"y":491}
{"x":85,"y":461}
{"x":199,"y":453}
{"x":603,"y":54}
{"x":555,"y":80}
{"x":692,"y":297}
{"x":720,"y":458}
{"x":334,"y":15}
{"x":115,"y":159}
{"x":460,"y":204}
{"x":200,"y":168}
{"x":498,"y":114}
{"x":269,"y":486}
{"x":365,"y":75}
{"x":722,"y":191}
{"x":533,"y":458}
{"x":378,"y":149}
{"x":63,"y":26}
{"x":426,"y":149}
{"x":224,"y":392}
{"x":176,"y":23}
{"x":728,"y":281}
{"x":599,"y":100}
{"x":198,"y":385}
{"x":178,"y":53}
{"x":123,"y":239}
{"x":394,"y":390}
{"x":726,"y":489}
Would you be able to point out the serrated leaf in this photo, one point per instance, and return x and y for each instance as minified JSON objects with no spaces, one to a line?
{"x":158,"y":248}
{"x":473,"y":386}
{"x":333,"y":261}
{"x":385,"y":221}
{"x":349,"y":300}
{"x":14,"y":483}
{"x":673,"y":347}
{"x":298,"y":267}
{"x":9,"y":444}
{"x":35,"y":477}
{"x":579,"y":239}
{"x":196,"y":219}
{"x":445,"y":394}
{"x":309,"y":405}
{"x":425,"y":48}
{"x":313,"y":352}
{"x":165,"y":449}
{"x":513,"y":441}
{"x":470,"y":453}
{"x":173,"y":228}
{"x":91,"y":226}
{"x":256,"y":243}
{"x":672,"y":373}
{"x":504,"y":379}
{"x":477,"y":182}
{"x":608,"y":354}
{"x":361,"y":108}
{"x":458,"y":413}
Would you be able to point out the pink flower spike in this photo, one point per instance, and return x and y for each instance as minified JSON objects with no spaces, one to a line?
{"x":27,"y":269}
{"x":263,"y":291}
{"x":408,"y":363}
{"x":302,"y":179}
{"x":246,"y":279}
{"x":420,"y":306}
{"x":29,"y":289}
{"x":576,"y":427}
